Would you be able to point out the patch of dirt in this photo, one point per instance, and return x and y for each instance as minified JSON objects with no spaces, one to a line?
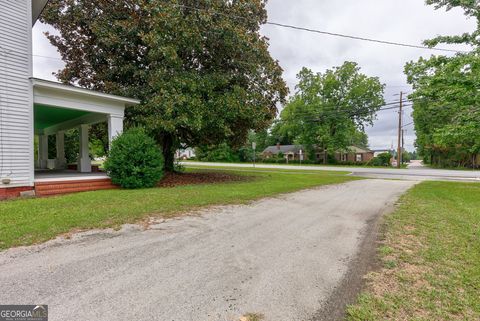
{"x":181,"y":179}
{"x":252,"y":317}
{"x":68,"y":235}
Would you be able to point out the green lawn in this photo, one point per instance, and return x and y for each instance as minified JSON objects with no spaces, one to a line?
{"x":431,"y":258}
{"x":29,"y":221}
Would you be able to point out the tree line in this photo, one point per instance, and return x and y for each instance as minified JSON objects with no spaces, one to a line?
{"x":446,"y":97}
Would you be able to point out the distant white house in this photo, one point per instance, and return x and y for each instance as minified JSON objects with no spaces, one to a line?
{"x":185,"y":153}
{"x":377,"y":152}
{"x":30,"y":107}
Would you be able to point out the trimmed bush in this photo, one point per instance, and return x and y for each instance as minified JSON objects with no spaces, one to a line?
{"x":134,"y":160}
{"x":381,"y":160}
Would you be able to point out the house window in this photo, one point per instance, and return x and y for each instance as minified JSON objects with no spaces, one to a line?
{"x":358,"y":157}
{"x":344,"y":157}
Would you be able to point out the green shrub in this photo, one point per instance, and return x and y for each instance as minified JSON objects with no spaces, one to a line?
{"x":350,"y":163}
{"x":274,"y":160}
{"x":134,"y":160}
{"x":381,"y":160}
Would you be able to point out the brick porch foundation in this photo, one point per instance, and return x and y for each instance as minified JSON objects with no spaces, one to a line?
{"x":13,"y":192}
{"x":72,"y":186}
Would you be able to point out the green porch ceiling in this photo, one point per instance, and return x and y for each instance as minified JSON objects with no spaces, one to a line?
{"x":47,"y":116}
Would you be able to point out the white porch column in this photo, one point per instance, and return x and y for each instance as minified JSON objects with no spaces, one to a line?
{"x":115,"y":127}
{"x":84,"y":162}
{"x":61,"y":162}
{"x":42,"y":151}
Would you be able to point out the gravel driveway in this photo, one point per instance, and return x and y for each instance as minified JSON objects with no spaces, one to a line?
{"x":281,"y":257}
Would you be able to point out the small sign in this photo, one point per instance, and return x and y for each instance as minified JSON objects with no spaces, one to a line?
{"x":23,"y":312}
{"x":254,"y":145}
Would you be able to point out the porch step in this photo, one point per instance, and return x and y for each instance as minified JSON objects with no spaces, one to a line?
{"x":74,"y":186}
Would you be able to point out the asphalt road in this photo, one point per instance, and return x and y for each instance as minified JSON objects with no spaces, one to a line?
{"x":417,"y":173}
{"x":286,"y":258}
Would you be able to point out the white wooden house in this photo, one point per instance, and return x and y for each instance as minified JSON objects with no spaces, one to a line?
{"x":30,"y":107}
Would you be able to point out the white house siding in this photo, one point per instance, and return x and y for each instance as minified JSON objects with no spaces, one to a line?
{"x":16,"y":97}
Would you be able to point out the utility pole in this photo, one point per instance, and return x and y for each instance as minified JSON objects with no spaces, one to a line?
{"x":254,"y":147}
{"x":399,"y":149}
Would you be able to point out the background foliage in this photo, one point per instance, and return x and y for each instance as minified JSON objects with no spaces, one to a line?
{"x":330,"y":110}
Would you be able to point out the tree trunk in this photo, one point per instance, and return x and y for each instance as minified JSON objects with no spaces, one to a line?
{"x":168,"y":152}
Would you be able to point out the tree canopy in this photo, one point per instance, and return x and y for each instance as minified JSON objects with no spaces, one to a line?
{"x":201,"y":68}
{"x":330,"y":110}
{"x":446,"y":97}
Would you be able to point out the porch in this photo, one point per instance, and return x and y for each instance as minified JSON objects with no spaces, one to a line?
{"x":48,"y":176}
{"x":57,"y":182}
{"x":58,"y":109}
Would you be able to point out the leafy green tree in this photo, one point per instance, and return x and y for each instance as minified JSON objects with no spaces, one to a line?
{"x":226,"y":153}
{"x":446,"y":96}
{"x":282,"y":134}
{"x":246,"y":152}
{"x":330,"y":110}
{"x":360,"y":139}
{"x":217,"y":153}
{"x":98,"y":137}
{"x":72,"y":145}
{"x":201,"y":68}
{"x":446,"y":101}
{"x":462,"y":135}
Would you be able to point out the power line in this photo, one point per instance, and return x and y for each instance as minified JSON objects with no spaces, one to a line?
{"x":330,"y":114}
{"x":328,"y":33}
{"x":47,"y":57}
{"x":384,"y":107}
{"x":317,"y":116}
{"x":385,"y":42}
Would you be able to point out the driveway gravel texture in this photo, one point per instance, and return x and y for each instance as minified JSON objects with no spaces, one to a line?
{"x":286,"y":258}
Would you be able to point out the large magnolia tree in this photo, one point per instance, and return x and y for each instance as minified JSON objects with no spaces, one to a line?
{"x":447,"y":97}
{"x":201,"y":68}
{"x":331,"y":109}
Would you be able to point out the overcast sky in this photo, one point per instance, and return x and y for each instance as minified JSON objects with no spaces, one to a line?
{"x":409,"y":21}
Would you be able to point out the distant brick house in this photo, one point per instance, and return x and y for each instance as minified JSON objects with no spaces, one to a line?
{"x":289,"y":152}
{"x":353,"y":154}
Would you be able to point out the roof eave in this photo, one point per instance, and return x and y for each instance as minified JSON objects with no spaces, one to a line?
{"x":37,"y":8}
{"x":39,"y":83}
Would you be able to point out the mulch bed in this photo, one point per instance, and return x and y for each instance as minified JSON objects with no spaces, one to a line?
{"x":180,"y":179}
